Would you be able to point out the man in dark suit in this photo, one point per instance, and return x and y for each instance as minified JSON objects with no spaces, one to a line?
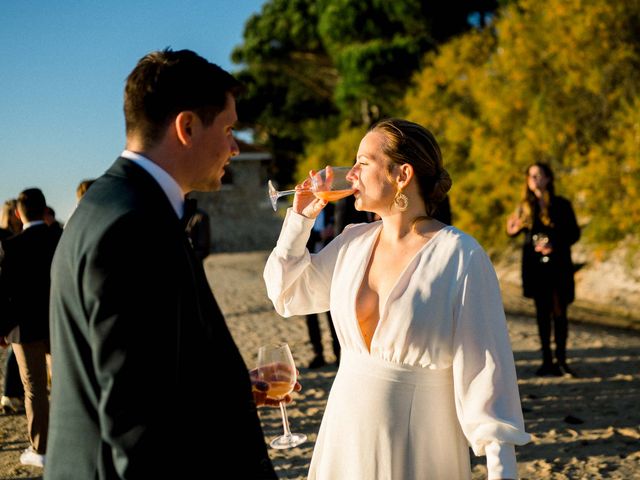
{"x":25,"y":265}
{"x":134,"y":321}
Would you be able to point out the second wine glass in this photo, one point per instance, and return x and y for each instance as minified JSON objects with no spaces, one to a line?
{"x":277,"y":368}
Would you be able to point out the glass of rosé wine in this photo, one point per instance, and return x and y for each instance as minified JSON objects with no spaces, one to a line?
{"x":329,"y":184}
{"x":277,"y":368}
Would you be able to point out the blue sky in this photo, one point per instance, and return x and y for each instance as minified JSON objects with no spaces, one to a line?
{"x":63,"y":65}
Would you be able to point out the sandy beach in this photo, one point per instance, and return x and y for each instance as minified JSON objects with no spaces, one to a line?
{"x":584,"y":428}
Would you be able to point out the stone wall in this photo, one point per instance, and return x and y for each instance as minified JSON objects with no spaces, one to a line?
{"x":240,"y":214}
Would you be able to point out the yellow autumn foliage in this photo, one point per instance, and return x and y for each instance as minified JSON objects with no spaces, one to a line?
{"x":338,"y":152}
{"x":555,"y":81}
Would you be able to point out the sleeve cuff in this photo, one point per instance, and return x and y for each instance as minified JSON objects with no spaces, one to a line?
{"x":294,"y":235}
{"x":489,"y":433}
{"x":501,"y":461}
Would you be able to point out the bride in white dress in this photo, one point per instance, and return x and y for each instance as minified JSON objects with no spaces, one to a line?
{"x":427,"y":368}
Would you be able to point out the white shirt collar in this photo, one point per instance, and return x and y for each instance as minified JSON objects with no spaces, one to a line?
{"x":168,"y":184}
{"x":31,"y":224}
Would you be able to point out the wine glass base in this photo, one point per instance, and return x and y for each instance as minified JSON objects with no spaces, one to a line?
{"x":291,"y":441}
{"x":273,"y":195}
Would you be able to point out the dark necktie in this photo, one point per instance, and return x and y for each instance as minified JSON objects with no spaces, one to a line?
{"x":190,"y":207}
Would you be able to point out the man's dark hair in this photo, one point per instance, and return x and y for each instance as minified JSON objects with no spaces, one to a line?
{"x":165,"y":83}
{"x":31,"y":204}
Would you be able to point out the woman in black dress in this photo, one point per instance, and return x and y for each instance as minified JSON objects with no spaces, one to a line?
{"x":550,"y":228}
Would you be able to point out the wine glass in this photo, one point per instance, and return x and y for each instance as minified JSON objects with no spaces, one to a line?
{"x":329,"y":184}
{"x":277,"y":368}
{"x":540,"y":242}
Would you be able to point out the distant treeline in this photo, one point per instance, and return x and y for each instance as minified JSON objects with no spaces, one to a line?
{"x":501,"y":84}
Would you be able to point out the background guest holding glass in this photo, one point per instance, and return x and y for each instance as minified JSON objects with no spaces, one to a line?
{"x":550,"y":228}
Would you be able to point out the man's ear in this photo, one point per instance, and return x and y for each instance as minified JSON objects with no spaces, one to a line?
{"x":184,"y":125}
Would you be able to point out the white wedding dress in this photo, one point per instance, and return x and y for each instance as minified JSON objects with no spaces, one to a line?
{"x":439,"y":376}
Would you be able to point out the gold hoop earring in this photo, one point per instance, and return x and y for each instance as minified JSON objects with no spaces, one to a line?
{"x":401,"y":201}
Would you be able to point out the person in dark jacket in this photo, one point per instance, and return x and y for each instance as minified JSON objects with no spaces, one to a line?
{"x":10,"y":224}
{"x":12,"y":400}
{"x":321,"y":234}
{"x":134,"y":322}
{"x":550,"y":229}
{"x":25,"y":265}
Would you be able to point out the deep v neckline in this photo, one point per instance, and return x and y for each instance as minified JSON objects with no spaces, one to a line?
{"x":363,"y":272}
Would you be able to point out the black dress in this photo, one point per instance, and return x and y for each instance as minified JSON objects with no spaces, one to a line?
{"x":544,"y":274}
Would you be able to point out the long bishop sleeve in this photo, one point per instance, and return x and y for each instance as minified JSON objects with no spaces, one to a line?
{"x":298,"y":283}
{"x":486,"y":388}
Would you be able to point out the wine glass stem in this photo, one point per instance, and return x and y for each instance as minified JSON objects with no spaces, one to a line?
{"x":285,"y":420}
{"x":285,"y":192}
{"x":291,"y":192}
